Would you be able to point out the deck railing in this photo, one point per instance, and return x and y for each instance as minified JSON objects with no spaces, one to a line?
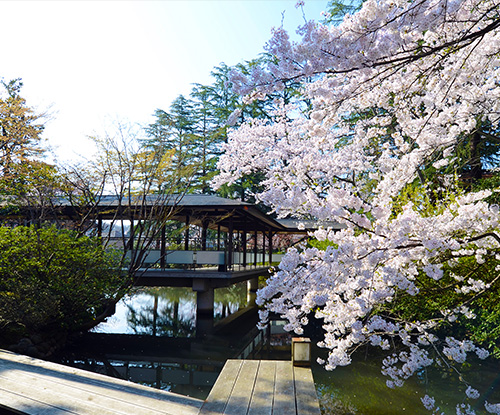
{"x":204,"y":258}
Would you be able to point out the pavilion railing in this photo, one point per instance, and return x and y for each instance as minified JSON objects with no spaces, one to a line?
{"x":198,"y":259}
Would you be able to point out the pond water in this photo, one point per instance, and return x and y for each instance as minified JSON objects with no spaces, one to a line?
{"x":360,"y":388}
{"x":169,"y":311}
{"x":151,"y":340}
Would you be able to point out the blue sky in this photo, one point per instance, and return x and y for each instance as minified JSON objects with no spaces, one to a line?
{"x":92,"y":62}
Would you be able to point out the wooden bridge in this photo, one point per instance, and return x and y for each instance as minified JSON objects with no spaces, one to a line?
{"x":244,"y":387}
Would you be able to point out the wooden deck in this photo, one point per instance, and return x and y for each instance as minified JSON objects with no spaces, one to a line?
{"x":262,"y":387}
{"x":244,"y":387}
{"x":36,"y":387}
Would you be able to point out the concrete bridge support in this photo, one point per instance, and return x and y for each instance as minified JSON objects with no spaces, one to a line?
{"x":204,"y":307}
{"x":252,"y":287}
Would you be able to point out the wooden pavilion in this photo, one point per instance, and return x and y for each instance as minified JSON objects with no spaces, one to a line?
{"x":212,"y":262}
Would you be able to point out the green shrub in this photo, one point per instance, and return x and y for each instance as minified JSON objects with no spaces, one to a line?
{"x":54,"y":280}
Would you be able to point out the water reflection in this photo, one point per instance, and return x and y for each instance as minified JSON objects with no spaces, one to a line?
{"x":190,"y":367}
{"x":169,"y":311}
{"x":360,"y":389}
{"x":163,"y":312}
{"x":151,"y":340}
{"x":228,"y":300}
{"x":187,"y":378}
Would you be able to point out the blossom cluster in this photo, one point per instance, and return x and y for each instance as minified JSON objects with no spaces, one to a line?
{"x":395,"y":87}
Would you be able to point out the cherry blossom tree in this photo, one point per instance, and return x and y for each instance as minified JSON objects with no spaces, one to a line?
{"x":394,"y":91}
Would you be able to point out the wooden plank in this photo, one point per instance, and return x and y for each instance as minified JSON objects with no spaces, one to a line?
{"x":305,"y":392}
{"x":247,"y":387}
{"x":64,"y":397}
{"x":284,"y":389}
{"x":263,"y":394}
{"x":239,"y":400}
{"x":60,"y":382}
{"x":221,"y":391}
{"x":30,"y":398}
{"x":26,"y":405}
{"x":88,"y":379}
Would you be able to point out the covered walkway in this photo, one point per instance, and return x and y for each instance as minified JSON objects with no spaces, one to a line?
{"x":192,"y":240}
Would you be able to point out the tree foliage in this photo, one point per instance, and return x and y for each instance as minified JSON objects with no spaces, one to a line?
{"x":194,"y":128}
{"x":145,"y":184}
{"x":54,"y":280}
{"x":20,"y":130}
{"x":21,"y":149}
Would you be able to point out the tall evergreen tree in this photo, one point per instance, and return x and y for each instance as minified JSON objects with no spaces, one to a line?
{"x":205,"y":137}
{"x":194,"y":128}
{"x":174,"y":132}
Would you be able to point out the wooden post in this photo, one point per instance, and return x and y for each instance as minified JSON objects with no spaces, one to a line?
{"x":270,"y":247}
{"x":204,"y":235}
{"x":163,"y":247}
{"x":218,"y":237}
{"x":131,"y":238}
{"x":186,"y":235}
{"x":263,"y":247}
{"x":230,"y":244}
{"x":130,"y":245}
{"x":244,"y":241}
{"x":255,"y":249}
{"x":99,"y":226}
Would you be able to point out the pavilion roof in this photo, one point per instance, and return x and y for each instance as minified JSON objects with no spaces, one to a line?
{"x":198,"y":209}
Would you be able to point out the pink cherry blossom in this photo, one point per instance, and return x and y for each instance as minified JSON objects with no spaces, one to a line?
{"x":426,"y":72}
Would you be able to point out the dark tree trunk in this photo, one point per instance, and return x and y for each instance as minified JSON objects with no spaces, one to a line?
{"x":476,"y":168}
